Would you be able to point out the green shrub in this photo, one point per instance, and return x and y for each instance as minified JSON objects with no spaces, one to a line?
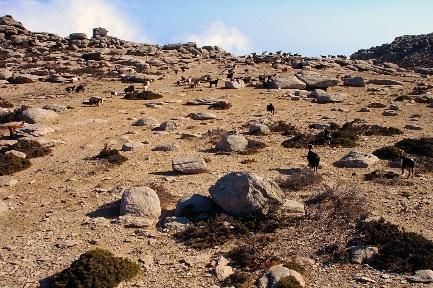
{"x":387,"y":153}
{"x":421,"y":147}
{"x":31,"y":148}
{"x":96,"y":269}
{"x":399,"y":251}
{"x":10,"y":164}
{"x":240,"y":279}
{"x":283,"y":127}
{"x":288,"y":282}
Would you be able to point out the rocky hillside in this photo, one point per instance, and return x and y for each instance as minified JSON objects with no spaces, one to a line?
{"x":411,"y":51}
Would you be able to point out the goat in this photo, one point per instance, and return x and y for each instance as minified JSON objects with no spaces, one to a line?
{"x":80,"y":88}
{"x":406,"y":164}
{"x":327,"y":136}
{"x":270,"y":108}
{"x":213,"y":82}
{"x":96,"y":101}
{"x":313,"y":158}
{"x":114,"y":93}
{"x":146,"y":85}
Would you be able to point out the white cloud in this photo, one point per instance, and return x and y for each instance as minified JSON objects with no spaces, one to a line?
{"x":229,"y":38}
{"x":64,"y":17}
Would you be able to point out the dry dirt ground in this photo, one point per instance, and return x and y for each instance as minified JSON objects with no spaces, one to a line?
{"x":60,"y":197}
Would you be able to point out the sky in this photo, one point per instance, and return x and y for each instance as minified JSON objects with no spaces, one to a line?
{"x":309,"y":27}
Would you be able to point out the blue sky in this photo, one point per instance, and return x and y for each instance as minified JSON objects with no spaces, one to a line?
{"x":311,"y":27}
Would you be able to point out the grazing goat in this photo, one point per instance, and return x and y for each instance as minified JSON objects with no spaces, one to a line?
{"x":327,"y":136}
{"x":313,"y":158}
{"x":114,"y":93}
{"x":407,"y":164}
{"x":96,"y":101}
{"x":12,"y":127}
{"x":270,"y":108}
{"x":129,"y":89}
{"x":80,"y":88}
{"x":213,"y":82}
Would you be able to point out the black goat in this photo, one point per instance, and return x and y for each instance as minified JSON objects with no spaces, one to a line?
{"x":270,"y":108}
{"x":80,"y":88}
{"x":313,"y":158}
{"x":407,"y":164}
{"x":129,"y":89}
{"x":70,"y":89}
{"x":213,"y":82}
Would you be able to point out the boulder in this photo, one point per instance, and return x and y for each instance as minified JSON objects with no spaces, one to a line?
{"x":326,"y":97}
{"x":222,"y":270}
{"x":5,"y":74}
{"x":390,"y":113}
{"x":147,"y":121}
{"x":202,"y":116}
{"x":194,"y":205}
{"x":21,"y":79}
{"x":232,"y":143}
{"x":189,"y":165}
{"x":166,"y":148}
{"x":3,"y":207}
{"x":169,"y":125}
{"x":276,"y":273}
{"x":315,"y":80}
{"x":131,"y":146}
{"x":17,"y":154}
{"x":235,"y":84}
{"x":95,"y":56}
{"x":36,"y":115}
{"x":286,"y":82}
{"x":36,"y":130}
{"x":356,"y":159}
{"x":141,"y":202}
{"x":385,"y":82}
{"x":138,"y":78}
{"x":7,"y":181}
{"x":354,"y":82}
{"x":421,"y":276}
{"x":246,"y":194}
{"x":413,"y":127}
{"x":362,"y":254}
{"x":259,"y":129}
{"x":55,"y":107}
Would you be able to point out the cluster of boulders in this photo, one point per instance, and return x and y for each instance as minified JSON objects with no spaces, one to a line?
{"x":410,"y":51}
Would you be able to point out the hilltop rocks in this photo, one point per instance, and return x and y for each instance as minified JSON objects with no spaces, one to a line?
{"x":95,"y":56}
{"x":36,"y":115}
{"x":323,"y":97}
{"x":315,"y":80}
{"x":194,"y":205}
{"x":242,"y":193}
{"x":141,"y":202}
{"x":189,"y":165}
{"x":356,"y":159}
{"x":286,"y":82}
{"x":232,"y":143}
{"x":147,"y":121}
{"x":410,"y":51}
{"x":202,"y":116}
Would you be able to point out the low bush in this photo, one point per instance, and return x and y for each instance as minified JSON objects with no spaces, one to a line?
{"x":299,"y":181}
{"x":387,"y":153}
{"x":288,"y":282}
{"x":142,"y":95}
{"x":96,"y":269}
{"x":253,"y":147}
{"x":10,"y":164}
{"x":31,"y":148}
{"x":5,"y":103}
{"x":399,"y":251}
{"x":112,"y":156}
{"x":421,"y":147}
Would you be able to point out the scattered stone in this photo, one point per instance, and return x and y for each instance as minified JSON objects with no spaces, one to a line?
{"x":354,"y":82}
{"x":421,"y":276}
{"x":166,"y":148}
{"x":413,"y":127}
{"x":147,"y":121}
{"x":142,"y":202}
{"x":189,"y":165}
{"x":384,"y":82}
{"x":356,"y":159}
{"x":7,"y":181}
{"x":286,"y":82}
{"x":169,"y":125}
{"x":131,"y":146}
{"x":36,"y":115}
{"x":390,"y":113}
{"x":242,"y":193}
{"x":202,"y":116}
{"x":276,"y":273}
{"x":16,"y":153}
{"x":259,"y":129}
{"x":362,"y":254}
{"x":3,"y":207}
{"x":232,"y":143}
{"x":235,"y":84}
{"x":222,"y":270}
{"x":315,"y":80}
